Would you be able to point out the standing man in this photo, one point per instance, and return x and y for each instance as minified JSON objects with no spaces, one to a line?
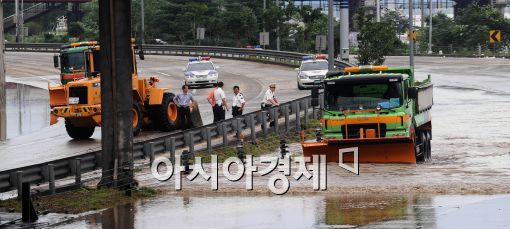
{"x":184,"y":100}
{"x":237,"y":103}
{"x":211,"y":100}
{"x":221,"y":103}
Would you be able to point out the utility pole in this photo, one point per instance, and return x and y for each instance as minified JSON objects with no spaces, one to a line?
{"x":263,"y":11}
{"x":331,"y":36}
{"x":422,"y":18}
{"x":411,"y":35}
{"x":3,"y":102}
{"x":17,"y":21}
{"x":278,"y":29}
{"x":378,"y":10}
{"x":116,"y":94}
{"x":430,"y":26}
{"x":344,"y":30}
{"x":142,"y":8}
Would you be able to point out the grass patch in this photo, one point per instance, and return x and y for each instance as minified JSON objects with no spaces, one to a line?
{"x":82,"y":200}
{"x":264,"y":145}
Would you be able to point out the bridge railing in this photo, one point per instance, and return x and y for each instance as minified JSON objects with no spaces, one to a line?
{"x":263,"y":55}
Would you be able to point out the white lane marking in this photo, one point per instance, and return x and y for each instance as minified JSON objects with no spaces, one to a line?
{"x":165,"y":74}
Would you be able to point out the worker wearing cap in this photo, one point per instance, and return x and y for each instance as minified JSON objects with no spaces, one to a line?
{"x":238,"y":102}
{"x":269,"y":99}
{"x":183,"y":101}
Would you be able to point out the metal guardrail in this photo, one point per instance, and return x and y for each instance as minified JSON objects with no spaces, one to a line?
{"x":264,"y":55}
{"x":170,"y":143}
{"x":74,"y":166}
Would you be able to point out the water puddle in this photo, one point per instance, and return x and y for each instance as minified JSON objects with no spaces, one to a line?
{"x":27,"y":109}
{"x":365,"y":211}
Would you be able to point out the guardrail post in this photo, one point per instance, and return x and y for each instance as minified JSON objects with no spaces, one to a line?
{"x":306,"y":112}
{"x":208,"y":137}
{"x":275,"y":119}
{"x":239,"y":130}
{"x":287,"y":123}
{"x":252,"y":128}
{"x":146,"y":150}
{"x":191,"y":140}
{"x":77,"y":172}
{"x":170,"y":146}
{"x":151,"y":152}
{"x":19,"y":180}
{"x":298,"y":117}
{"x":263,"y":118}
{"x":224,"y":132}
{"x":51,"y":178}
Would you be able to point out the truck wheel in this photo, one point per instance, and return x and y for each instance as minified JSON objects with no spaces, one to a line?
{"x":79,"y":132}
{"x":137,"y":119}
{"x":421,"y":154}
{"x":165,"y":116}
{"x":429,"y":145}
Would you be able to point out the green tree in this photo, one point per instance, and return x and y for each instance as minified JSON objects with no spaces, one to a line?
{"x":375,"y":39}
{"x":75,"y":29}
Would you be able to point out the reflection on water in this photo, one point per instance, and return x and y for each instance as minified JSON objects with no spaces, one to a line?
{"x":27,"y":109}
{"x":365,"y":211}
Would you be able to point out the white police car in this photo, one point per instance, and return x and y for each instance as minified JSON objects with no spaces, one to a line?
{"x":312,"y":68}
{"x":200,"y":71}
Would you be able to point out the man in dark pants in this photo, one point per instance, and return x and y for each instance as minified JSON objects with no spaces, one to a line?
{"x":221,"y":103}
{"x":184,"y":100}
{"x":238,"y":102}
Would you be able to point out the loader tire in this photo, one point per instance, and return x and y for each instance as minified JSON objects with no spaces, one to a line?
{"x":137,"y":118}
{"x":165,"y":116}
{"x":421,"y":154}
{"x":79,"y":132}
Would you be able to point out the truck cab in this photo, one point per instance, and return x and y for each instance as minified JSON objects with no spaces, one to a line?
{"x":382,"y":111}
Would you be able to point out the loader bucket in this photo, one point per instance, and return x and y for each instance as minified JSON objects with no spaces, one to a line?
{"x":400,"y":150}
{"x":57,"y":96}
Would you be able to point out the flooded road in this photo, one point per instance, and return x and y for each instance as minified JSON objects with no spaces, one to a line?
{"x":309,"y":211}
{"x":27,"y":109}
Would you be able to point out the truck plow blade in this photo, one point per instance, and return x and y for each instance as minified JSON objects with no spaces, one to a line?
{"x":57,"y":96}
{"x":398,"y":150}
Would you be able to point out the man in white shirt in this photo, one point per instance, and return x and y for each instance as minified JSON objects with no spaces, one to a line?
{"x":269,"y":99}
{"x":221,"y":103}
{"x":238,"y":102}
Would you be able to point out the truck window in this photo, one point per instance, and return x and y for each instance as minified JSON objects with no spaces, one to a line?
{"x":364,"y":96}
{"x":73,"y":61}
{"x":97,"y":61}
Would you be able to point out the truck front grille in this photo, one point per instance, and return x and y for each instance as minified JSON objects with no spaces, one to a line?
{"x":79,"y":92}
{"x":354,"y":129}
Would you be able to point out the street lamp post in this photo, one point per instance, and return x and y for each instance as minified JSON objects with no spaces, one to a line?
{"x":142,"y":8}
{"x":331,"y":36}
{"x":411,"y":35}
{"x":430,"y":27}
{"x":3,"y":112}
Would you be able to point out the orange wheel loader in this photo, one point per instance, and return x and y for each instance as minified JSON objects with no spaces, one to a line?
{"x":78,"y":98}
